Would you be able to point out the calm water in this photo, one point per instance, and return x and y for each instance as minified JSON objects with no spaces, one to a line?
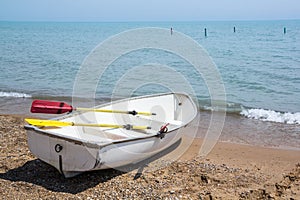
{"x":259,"y":64}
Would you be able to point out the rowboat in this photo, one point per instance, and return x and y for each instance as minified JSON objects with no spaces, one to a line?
{"x":103,"y":137}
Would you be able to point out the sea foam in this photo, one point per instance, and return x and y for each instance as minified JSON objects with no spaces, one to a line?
{"x":272,"y":116}
{"x":14,"y":94}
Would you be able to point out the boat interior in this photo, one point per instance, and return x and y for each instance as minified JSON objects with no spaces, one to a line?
{"x":174,"y":109}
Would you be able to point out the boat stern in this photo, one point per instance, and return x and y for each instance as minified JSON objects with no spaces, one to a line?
{"x":68,"y":157}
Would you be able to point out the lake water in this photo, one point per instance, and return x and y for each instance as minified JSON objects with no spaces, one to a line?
{"x":258,"y":63}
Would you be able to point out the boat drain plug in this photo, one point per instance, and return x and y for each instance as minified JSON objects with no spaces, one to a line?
{"x":58,"y":148}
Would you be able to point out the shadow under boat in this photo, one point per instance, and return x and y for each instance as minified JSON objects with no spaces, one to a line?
{"x":40,"y":173}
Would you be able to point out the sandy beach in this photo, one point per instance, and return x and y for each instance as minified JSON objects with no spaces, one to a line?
{"x":230,"y":171}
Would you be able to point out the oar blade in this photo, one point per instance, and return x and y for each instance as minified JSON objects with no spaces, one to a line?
{"x":40,"y":122}
{"x":50,"y":107}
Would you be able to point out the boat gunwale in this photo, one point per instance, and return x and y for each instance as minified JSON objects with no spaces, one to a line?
{"x":127,"y":99}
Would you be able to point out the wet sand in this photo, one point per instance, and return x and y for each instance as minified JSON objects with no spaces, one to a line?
{"x":230,"y":171}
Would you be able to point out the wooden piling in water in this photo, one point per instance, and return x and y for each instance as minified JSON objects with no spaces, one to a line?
{"x":205,"y":32}
{"x":284,"y":30}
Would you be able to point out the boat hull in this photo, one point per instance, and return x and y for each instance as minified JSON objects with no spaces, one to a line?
{"x":73,"y":157}
{"x":72,"y":151}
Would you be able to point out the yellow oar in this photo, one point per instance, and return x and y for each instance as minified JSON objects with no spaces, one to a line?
{"x":39,"y":122}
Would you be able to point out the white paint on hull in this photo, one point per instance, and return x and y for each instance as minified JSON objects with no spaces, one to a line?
{"x":86,"y":148}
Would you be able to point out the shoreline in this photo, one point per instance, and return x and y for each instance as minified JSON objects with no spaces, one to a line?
{"x":229,"y":171}
{"x":237,"y":128}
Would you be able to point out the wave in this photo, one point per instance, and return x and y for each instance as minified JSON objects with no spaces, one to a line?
{"x":272,"y":116}
{"x":14,"y":94}
{"x":251,"y":113}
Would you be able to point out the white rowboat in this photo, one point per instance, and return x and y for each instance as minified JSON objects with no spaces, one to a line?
{"x":76,"y":149}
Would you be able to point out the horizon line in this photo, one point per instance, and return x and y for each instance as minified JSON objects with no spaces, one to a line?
{"x":149,"y":21}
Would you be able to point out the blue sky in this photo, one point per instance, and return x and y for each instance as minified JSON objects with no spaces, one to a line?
{"x":147,"y":10}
